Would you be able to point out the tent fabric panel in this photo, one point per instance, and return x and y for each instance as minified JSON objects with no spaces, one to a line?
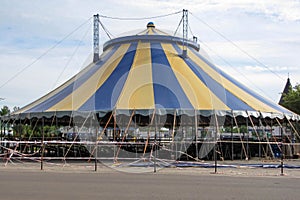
{"x":106,"y":96}
{"x":231,"y":87}
{"x":81,"y":94}
{"x":150,"y":31}
{"x":138,"y":90}
{"x":144,"y":32}
{"x":50,"y":101}
{"x":159,"y":32}
{"x":215,"y":88}
{"x":197,"y":92}
{"x":167,"y":91}
{"x":66,"y":89}
{"x":219,"y":90}
{"x":276,"y":107}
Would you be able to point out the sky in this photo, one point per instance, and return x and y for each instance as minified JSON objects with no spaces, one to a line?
{"x":44,"y":43}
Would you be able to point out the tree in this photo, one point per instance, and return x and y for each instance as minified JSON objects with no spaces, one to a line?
{"x":291,"y":100}
{"x":4,"y":111}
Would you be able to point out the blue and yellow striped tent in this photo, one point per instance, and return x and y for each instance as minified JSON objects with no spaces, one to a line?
{"x":146,"y":72}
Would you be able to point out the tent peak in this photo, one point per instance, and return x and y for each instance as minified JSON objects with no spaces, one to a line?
{"x":150,"y":25}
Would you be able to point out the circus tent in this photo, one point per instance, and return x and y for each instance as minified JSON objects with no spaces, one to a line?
{"x":146,"y":73}
{"x":152,"y":86}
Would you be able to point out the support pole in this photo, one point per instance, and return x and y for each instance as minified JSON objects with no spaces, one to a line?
{"x":1,"y":135}
{"x":266,"y":135}
{"x":281,"y":157}
{"x":257,"y":135}
{"x":185,"y":32}
{"x":241,"y":139}
{"x":99,"y":137}
{"x":155,"y":146}
{"x":196,"y":134}
{"x":247,"y":125}
{"x":173,"y":157}
{"x":216,"y":141}
{"x":232,"y":148}
{"x":43,"y":145}
{"x":96,"y":143}
{"x":96,"y":38}
{"x":148,"y":134}
{"x":96,"y":153}
{"x":125,"y":133}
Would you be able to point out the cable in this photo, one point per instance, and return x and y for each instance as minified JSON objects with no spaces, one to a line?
{"x":178,"y":26}
{"x":139,"y":18}
{"x":42,"y":55}
{"x":77,"y":47}
{"x":191,"y":31}
{"x":105,"y":30}
{"x":228,"y":40}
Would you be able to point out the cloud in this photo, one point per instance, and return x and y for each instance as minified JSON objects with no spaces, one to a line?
{"x":274,"y":9}
{"x":276,"y":69}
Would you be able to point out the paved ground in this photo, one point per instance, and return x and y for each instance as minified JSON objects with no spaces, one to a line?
{"x":80,"y":181}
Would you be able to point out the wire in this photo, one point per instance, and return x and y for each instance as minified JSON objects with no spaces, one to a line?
{"x":139,"y":18}
{"x":228,"y":40}
{"x":42,"y":55}
{"x":191,"y":31}
{"x":71,"y":58}
{"x":105,"y":30}
{"x":178,"y":26}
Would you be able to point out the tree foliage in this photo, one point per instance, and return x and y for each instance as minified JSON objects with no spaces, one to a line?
{"x":4,"y":111}
{"x":291,"y":100}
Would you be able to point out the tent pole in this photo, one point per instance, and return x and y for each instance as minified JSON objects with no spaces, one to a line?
{"x":155,"y":146}
{"x":185,"y":32}
{"x":125,"y":132}
{"x":241,"y":139}
{"x":43,"y":146}
{"x":293,"y":138}
{"x":96,"y":152}
{"x":115,"y":131}
{"x":20,"y":133}
{"x":76,"y":136}
{"x":293,"y":127}
{"x":268,"y":141}
{"x":215,"y":146}
{"x":56,"y":127}
{"x":96,"y":38}
{"x":100,"y":135}
{"x":258,"y":137}
{"x":196,"y":134}
{"x":148,"y":135}
{"x":1,"y":134}
{"x":281,"y":147}
{"x":173,"y":135}
{"x":247,"y":128}
{"x":232,"y":145}
{"x":281,"y":157}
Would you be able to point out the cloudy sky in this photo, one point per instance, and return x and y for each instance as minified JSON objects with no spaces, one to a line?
{"x":44,"y":43}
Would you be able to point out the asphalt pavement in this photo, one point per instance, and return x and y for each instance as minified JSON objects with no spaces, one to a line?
{"x":109,"y":184}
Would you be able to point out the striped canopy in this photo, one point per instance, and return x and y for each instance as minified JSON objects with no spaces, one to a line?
{"x":146,"y":72}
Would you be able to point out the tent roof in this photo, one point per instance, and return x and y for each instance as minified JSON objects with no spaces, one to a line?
{"x":147,"y":72}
